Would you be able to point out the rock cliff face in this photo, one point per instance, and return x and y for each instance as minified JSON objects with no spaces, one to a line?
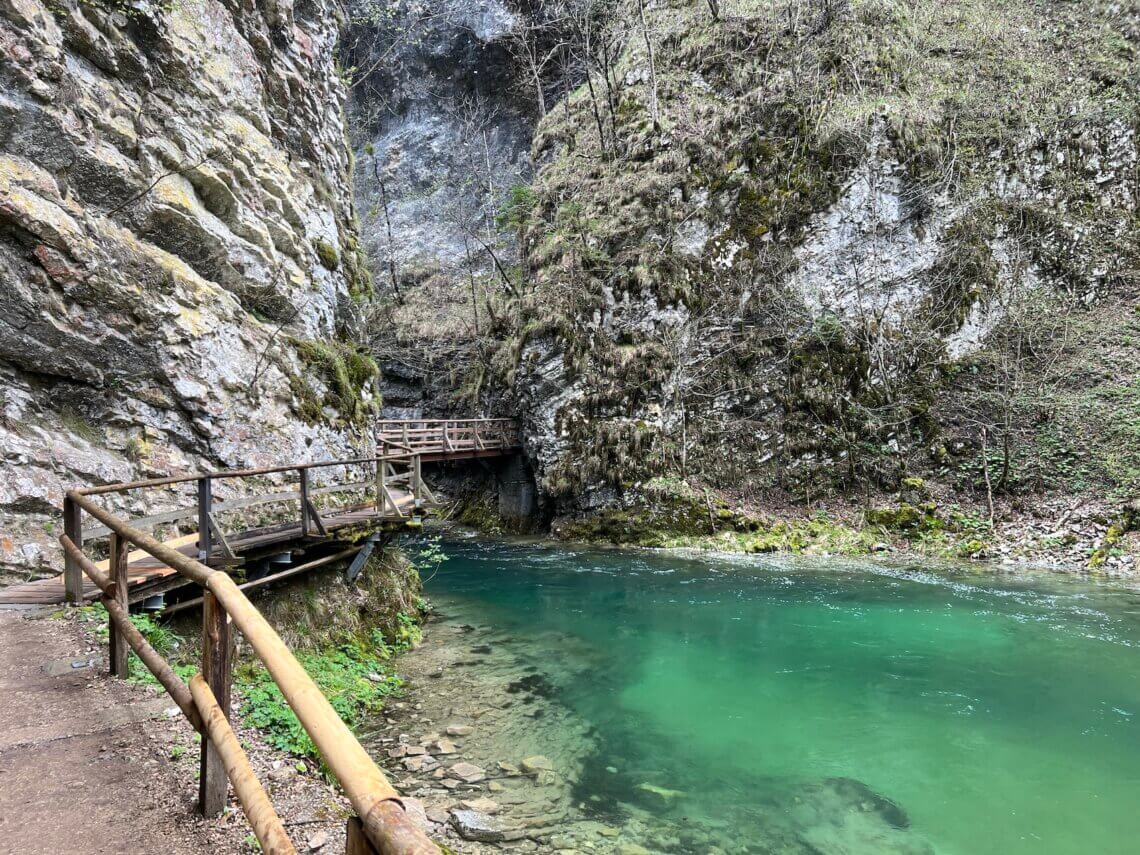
{"x":178,"y":259}
{"x":811,"y":246}
{"x":441,"y":132}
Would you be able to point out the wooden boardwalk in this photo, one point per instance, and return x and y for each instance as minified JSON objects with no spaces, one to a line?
{"x":148,"y":576}
{"x":391,"y":486}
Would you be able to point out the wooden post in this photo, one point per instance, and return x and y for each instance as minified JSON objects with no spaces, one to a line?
{"x":217,"y":668}
{"x":118,"y":572}
{"x":417,"y":493}
{"x":356,"y":843}
{"x":205,"y":507}
{"x":382,"y":486}
{"x":305,"y":521}
{"x":380,"y":466}
{"x":72,"y":573}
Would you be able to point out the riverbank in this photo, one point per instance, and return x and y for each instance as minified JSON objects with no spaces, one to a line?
{"x":1060,"y":533}
{"x":345,"y":636}
{"x":485,"y":750}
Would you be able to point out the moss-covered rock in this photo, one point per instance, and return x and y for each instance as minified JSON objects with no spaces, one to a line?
{"x":321,"y":609}
{"x":346,"y":373}
{"x":907,"y":518}
{"x":326,"y":254}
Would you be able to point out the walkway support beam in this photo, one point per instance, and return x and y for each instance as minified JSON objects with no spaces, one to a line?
{"x":73,"y":530}
{"x":217,"y":666}
{"x":118,"y":569}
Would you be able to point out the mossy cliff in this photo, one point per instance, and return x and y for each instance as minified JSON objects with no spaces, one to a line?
{"x":178,"y":251}
{"x":812,"y":249}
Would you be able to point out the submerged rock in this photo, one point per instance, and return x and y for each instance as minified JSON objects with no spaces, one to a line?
{"x":482,"y":805}
{"x":468,"y":772}
{"x":476,"y":825}
{"x":868,"y":799}
{"x":538,"y":763}
{"x":664,"y":794}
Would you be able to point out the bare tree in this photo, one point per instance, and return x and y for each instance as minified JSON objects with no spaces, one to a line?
{"x":382,"y":183}
{"x":654,"y":109}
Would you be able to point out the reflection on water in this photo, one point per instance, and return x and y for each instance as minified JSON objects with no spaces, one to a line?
{"x":832,"y":707}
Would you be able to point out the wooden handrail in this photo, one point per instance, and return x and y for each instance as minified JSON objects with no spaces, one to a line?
{"x":225,"y":506}
{"x":121,"y":621}
{"x":232,"y":473}
{"x":255,"y":804}
{"x":375,"y":801}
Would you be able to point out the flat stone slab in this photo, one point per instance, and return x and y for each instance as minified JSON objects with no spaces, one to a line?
{"x":468,"y":772}
{"x":478,"y":826}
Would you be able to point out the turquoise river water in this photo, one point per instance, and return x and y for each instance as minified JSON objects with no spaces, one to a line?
{"x":963,"y":712}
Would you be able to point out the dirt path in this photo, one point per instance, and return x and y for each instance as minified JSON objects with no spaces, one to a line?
{"x":85,"y":761}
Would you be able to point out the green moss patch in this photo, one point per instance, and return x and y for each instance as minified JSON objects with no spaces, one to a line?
{"x":345,"y":371}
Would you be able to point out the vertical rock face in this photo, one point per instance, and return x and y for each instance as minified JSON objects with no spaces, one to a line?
{"x":441,"y":130}
{"x":441,"y":121}
{"x":742,"y":275}
{"x":176,"y":231}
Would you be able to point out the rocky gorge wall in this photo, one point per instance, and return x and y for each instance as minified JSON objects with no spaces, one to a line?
{"x":179,"y":272}
{"x":441,"y":132}
{"x":804,"y":247}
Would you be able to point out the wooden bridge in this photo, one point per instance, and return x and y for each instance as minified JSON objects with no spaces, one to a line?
{"x":321,"y":512}
{"x":319,"y":506}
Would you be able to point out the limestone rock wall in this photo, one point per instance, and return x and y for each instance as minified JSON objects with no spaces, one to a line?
{"x":175,"y":215}
{"x":759,"y":255}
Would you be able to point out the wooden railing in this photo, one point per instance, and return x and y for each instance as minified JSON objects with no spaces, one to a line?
{"x":381,"y":824}
{"x":448,"y":436}
{"x":381,"y":474}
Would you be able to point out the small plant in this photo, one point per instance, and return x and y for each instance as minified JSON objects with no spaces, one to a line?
{"x":326,"y":254}
{"x":352,"y":676}
{"x":137,"y":448}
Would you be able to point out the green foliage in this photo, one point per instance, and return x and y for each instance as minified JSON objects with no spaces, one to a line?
{"x":326,"y":254}
{"x":359,"y":278}
{"x":345,"y":369}
{"x":138,"y":448}
{"x":352,"y":674}
{"x":428,"y":557}
{"x":517,"y":209}
{"x":169,"y":644}
{"x":76,"y":423}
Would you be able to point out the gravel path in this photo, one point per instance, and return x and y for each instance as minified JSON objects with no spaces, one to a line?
{"x":85,"y":761}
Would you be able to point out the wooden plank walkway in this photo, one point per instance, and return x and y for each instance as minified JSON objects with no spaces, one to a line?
{"x":146,"y":575}
{"x":407,"y":444}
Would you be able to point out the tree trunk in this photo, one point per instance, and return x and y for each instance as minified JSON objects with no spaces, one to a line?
{"x":653,"y":106}
{"x":388,"y":228}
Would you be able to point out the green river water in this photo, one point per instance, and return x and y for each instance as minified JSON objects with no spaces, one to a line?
{"x":843,"y":706}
